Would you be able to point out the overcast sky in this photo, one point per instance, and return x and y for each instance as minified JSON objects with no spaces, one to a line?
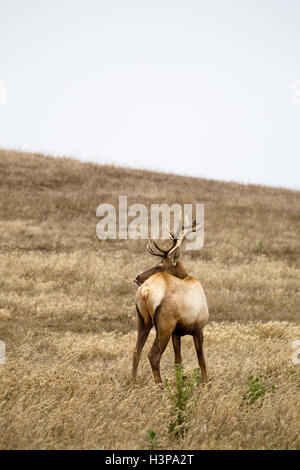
{"x":195,"y":87}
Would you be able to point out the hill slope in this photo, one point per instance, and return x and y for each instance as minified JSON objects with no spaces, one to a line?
{"x":68,"y":319}
{"x":48,"y":210}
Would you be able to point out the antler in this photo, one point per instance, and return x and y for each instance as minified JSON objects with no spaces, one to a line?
{"x":178,"y":232}
{"x":176,"y":238}
{"x":181,"y":235}
{"x":163,"y":253}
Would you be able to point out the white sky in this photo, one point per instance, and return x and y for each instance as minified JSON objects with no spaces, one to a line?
{"x":194,"y":87}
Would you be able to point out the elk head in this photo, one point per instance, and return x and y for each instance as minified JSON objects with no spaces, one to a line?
{"x":168,"y":258}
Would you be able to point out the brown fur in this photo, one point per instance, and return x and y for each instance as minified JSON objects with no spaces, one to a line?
{"x":174,"y":302}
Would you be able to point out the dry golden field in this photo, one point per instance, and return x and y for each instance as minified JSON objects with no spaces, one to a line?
{"x":67,"y":312}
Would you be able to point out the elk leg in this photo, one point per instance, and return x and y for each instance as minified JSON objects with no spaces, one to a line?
{"x":176,"y":339}
{"x":198,"y":341}
{"x":164,"y":329}
{"x":159,"y":345}
{"x":143,"y":332}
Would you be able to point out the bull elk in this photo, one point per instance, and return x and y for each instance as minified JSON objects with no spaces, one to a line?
{"x":172,"y":301}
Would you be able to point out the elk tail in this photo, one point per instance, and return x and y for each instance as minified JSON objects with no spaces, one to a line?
{"x":145,"y":292}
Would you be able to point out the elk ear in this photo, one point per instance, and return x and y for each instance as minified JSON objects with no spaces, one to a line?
{"x":175,"y":255}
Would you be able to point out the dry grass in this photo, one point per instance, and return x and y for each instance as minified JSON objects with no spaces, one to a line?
{"x":67,"y":311}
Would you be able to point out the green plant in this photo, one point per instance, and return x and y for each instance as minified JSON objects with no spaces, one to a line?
{"x":256,"y":392}
{"x":180,"y":399}
{"x":151,"y":440}
{"x":260,"y":247}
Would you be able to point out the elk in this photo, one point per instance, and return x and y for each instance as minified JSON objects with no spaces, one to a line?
{"x":172,"y":301}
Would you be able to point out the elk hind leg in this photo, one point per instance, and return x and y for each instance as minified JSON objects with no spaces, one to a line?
{"x":198,"y":341}
{"x":143,"y":332}
{"x":164,"y":329}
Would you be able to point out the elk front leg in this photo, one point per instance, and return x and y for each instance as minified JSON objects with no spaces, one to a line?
{"x":198,"y":341}
{"x":143,"y":332}
{"x":176,"y":339}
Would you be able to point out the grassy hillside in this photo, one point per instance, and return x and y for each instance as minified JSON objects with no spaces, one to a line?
{"x":68,"y":319}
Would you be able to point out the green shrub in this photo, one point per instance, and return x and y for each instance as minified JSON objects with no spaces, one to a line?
{"x":151,"y":440}
{"x":181,"y":401}
{"x":255,"y":393}
{"x":260,"y":247}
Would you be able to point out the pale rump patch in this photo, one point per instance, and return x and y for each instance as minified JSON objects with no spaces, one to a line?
{"x":149,"y":296}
